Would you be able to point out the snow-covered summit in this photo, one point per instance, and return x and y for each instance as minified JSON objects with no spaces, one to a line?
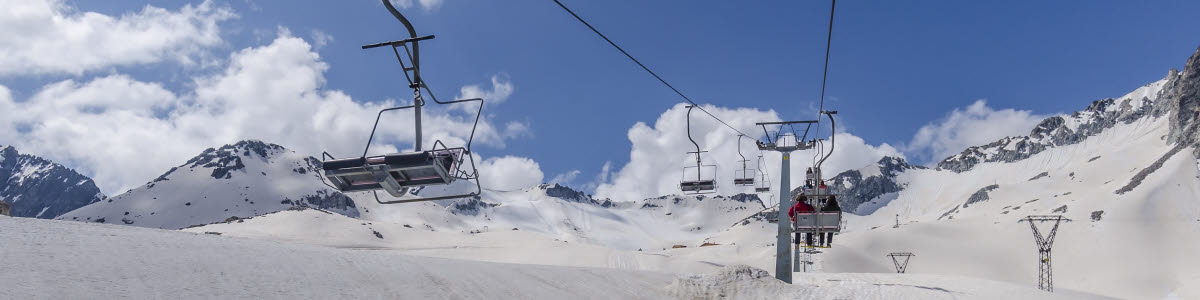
{"x":240,"y":180}
{"x":1177,"y":94}
{"x":39,"y":188}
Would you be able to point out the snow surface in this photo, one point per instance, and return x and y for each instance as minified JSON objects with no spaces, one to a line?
{"x":953,"y":243}
{"x":52,"y":259}
{"x":49,"y":259}
{"x":1139,"y":249}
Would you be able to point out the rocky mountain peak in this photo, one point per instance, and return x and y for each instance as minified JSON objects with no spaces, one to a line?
{"x":39,"y":188}
{"x":225,"y":160}
{"x":1186,"y":109}
{"x":566,"y":193}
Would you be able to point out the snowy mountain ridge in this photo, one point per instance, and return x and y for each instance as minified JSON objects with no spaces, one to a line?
{"x":39,"y":188}
{"x":233,"y":181}
{"x":1071,"y":129}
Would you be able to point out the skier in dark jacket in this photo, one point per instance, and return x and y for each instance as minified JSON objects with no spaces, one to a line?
{"x":830,"y":205}
{"x":801,"y":207}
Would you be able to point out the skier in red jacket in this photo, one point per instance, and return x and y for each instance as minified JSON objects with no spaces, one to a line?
{"x":802,"y":207}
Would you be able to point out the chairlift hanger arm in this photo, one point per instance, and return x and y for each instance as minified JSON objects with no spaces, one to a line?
{"x":832,"y":136}
{"x":689,"y":134}
{"x":740,"y":151}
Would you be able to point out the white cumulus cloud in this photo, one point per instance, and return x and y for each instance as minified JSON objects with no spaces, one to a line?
{"x":123,"y":132}
{"x":50,"y":37}
{"x":428,"y":5}
{"x":509,"y":173}
{"x":658,"y":155}
{"x":976,"y":124}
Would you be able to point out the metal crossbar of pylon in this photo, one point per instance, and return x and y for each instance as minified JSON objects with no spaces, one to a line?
{"x":900,"y":259}
{"x":1045,"y":273}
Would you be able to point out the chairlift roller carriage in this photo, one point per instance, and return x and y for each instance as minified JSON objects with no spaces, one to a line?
{"x":699,"y":185}
{"x":403,"y":175}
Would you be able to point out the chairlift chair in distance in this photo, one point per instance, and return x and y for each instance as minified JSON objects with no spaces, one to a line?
{"x":764,"y":184}
{"x":745,"y":176}
{"x":405,"y":174}
{"x":699,"y":185}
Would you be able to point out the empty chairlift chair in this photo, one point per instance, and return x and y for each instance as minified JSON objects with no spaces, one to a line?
{"x":764,"y":183}
{"x":745,"y":176}
{"x":699,"y":184}
{"x":403,"y":175}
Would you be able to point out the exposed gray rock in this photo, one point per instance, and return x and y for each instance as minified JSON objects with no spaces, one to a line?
{"x":1060,"y":209}
{"x":1096,"y":215}
{"x":470,"y":206}
{"x":1039,"y":176}
{"x":1179,"y":97}
{"x":566,"y":193}
{"x":853,"y":189}
{"x":223,"y":161}
{"x":949,"y":214}
{"x":38,"y":188}
{"x":1185,"y":111}
{"x":980,"y":195}
{"x":1141,"y":175}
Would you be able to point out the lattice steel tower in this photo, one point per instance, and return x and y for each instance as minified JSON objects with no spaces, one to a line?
{"x":1045,"y":274}
{"x":900,"y":259}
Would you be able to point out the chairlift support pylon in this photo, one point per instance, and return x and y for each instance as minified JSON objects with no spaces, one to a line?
{"x":700,"y":185}
{"x":745,"y":176}
{"x":815,"y":222}
{"x":405,"y":174}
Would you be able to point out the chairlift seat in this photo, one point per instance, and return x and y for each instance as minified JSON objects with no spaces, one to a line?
{"x":822,"y":221}
{"x":743,"y":181}
{"x":698,"y":185}
{"x":762,"y":189}
{"x":394,"y":173}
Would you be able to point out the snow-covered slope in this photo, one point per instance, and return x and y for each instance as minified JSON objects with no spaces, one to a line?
{"x":1124,"y":169}
{"x":39,"y":188}
{"x":570,"y":215}
{"x":245,"y":179}
{"x":101,"y":261}
{"x":1136,"y":244}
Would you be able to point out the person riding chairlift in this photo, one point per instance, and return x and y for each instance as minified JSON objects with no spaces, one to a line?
{"x":830,"y":205}
{"x":801,"y":207}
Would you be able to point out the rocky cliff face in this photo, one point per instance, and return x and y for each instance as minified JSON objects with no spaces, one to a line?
{"x":566,"y":193}
{"x":856,"y":187}
{"x":38,"y":188}
{"x":1185,"y":105}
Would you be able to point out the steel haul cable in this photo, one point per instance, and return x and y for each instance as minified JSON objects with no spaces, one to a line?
{"x":639,"y":63}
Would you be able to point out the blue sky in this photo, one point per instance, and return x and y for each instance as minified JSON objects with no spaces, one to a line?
{"x":896,"y":65}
